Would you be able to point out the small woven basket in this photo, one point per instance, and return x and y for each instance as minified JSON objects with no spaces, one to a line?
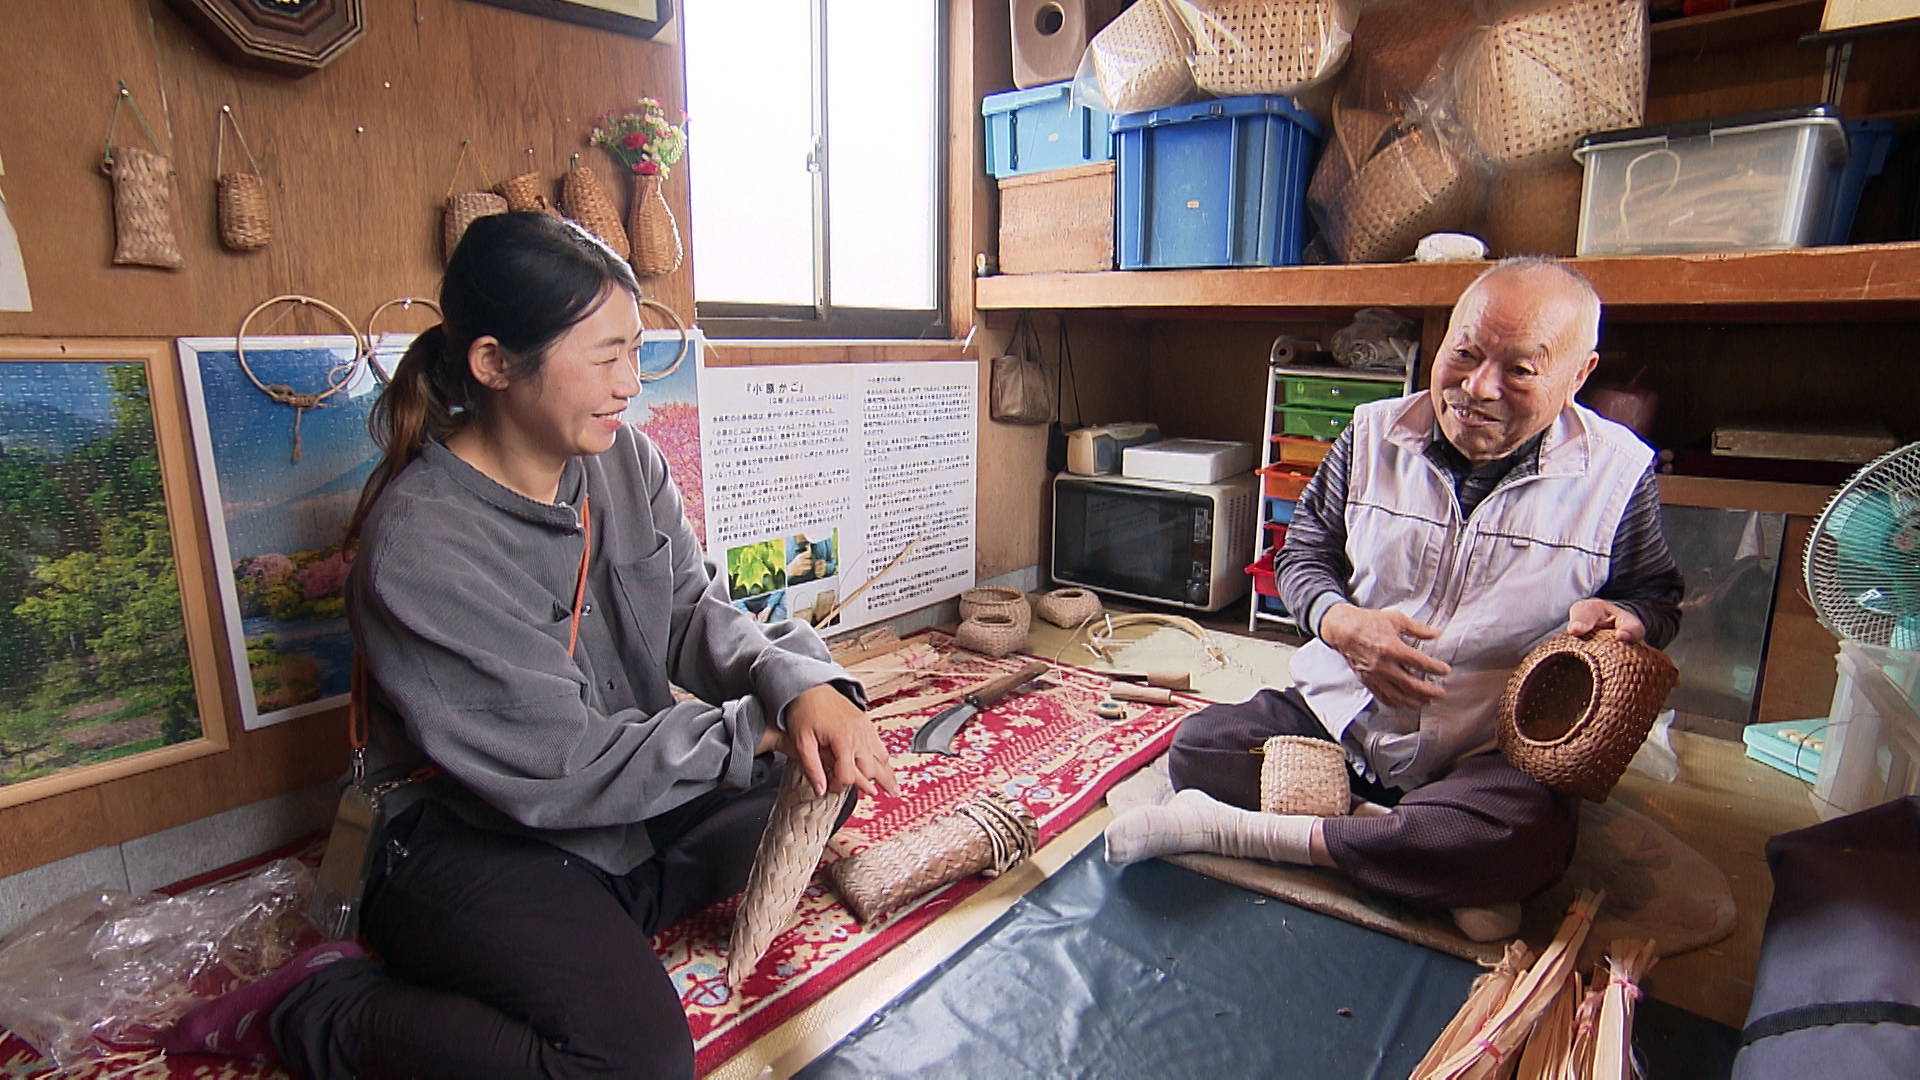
{"x":1302,"y":775}
{"x":1269,"y":46}
{"x":1412,"y":187}
{"x":463,"y":209}
{"x":1070,"y":608}
{"x":526,"y":193}
{"x":657,"y":250}
{"x":991,"y":833}
{"x":991,"y":634}
{"x":1140,"y":59}
{"x":585,"y":201}
{"x":1577,"y":709}
{"x":241,"y":199}
{"x":1530,"y":85}
{"x":143,"y":233}
{"x":997,"y":600}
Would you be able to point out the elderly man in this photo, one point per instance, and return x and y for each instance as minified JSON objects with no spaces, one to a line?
{"x":1445,"y":535}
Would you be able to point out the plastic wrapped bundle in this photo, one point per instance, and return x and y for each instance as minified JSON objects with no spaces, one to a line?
{"x":1528,"y":85}
{"x":1139,"y":62}
{"x":1267,"y":46}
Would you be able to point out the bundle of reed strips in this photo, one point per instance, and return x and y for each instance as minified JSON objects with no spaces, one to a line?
{"x":1545,"y":1057}
{"x":1491,"y":1049}
{"x":1627,"y":963}
{"x":1488,"y":992}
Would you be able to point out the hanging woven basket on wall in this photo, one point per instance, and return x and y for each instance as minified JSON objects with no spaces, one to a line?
{"x":1577,"y":709}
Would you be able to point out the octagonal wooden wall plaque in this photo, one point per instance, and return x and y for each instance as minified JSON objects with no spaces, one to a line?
{"x":287,"y":37}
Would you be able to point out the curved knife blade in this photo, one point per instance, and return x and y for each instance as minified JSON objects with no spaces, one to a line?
{"x":936,"y":735}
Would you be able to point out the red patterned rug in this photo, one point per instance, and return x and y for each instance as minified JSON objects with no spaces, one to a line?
{"x":1045,"y":748}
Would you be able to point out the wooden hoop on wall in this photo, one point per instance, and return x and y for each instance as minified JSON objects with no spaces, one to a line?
{"x":686,"y":342}
{"x":286,"y":395}
{"x":403,"y":303}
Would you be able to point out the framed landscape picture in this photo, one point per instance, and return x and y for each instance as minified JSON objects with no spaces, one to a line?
{"x":641,"y":18}
{"x":108,"y":653}
{"x":276,"y":523}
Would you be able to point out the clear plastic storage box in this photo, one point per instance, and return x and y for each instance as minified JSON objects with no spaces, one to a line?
{"x":1752,"y":182}
{"x":1038,"y":130}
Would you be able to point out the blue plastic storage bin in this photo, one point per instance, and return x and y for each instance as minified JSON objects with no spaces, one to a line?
{"x":1868,"y":143}
{"x":1040,"y":129}
{"x":1216,"y":183}
{"x":1279,"y":511}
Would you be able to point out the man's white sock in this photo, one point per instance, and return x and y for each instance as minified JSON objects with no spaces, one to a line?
{"x":1194,"y":821}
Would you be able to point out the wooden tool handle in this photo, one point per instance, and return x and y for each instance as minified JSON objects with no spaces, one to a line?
{"x":1148,"y":695}
{"x":984,"y":697}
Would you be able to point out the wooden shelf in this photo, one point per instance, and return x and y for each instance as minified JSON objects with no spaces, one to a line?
{"x":1783,"y":20}
{"x":1863,"y":282}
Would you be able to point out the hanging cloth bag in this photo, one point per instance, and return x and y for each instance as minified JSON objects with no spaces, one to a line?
{"x":240,"y":197}
{"x":143,"y":229}
{"x":1021,"y":391}
{"x":467,"y":207}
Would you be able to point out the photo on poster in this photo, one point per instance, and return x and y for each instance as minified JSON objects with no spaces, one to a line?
{"x":813,"y":577}
{"x":278,"y":524}
{"x":756,"y":569}
{"x":668,"y":413}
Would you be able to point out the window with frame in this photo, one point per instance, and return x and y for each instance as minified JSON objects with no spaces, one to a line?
{"x":817,"y":154}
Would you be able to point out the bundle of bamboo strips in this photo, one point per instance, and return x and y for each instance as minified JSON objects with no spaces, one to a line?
{"x":1488,"y":992}
{"x":1586,"y":1028}
{"x":1492,"y":1050}
{"x":1545,"y":1057}
{"x":888,"y":674}
{"x":1627,"y":963}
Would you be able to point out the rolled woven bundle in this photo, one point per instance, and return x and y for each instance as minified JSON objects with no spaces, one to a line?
{"x":526,"y":193}
{"x":1577,"y":709}
{"x":991,"y":633}
{"x":143,"y":233}
{"x":241,"y":199}
{"x":1069,"y":608}
{"x":797,"y":832}
{"x":1530,"y":85}
{"x":991,"y":833}
{"x":585,"y":201}
{"x":1269,"y":46}
{"x":1302,"y":775}
{"x":1413,"y":187}
{"x":997,"y":600}
{"x":1140,"y":59}
{"x":463,"y":209}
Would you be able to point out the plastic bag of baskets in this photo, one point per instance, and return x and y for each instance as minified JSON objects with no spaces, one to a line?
{"x":1139,"y":61}
{"x":1577,"y":708}
{"x":1539,"y":74}
{"x":1267,"y":46}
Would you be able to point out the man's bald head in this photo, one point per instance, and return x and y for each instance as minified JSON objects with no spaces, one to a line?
{"x":1577,"y":288}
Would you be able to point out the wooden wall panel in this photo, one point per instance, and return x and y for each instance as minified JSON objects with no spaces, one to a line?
{"x":357,"y":156}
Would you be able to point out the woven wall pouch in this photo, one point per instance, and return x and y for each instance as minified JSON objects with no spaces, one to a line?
{"x":143,"y":227}
{"x":240,"y":197}
{"x":1577,"y":709}
{"x":466,"y":207}
{"x":585,"y":201}
{"x":300,"y":401}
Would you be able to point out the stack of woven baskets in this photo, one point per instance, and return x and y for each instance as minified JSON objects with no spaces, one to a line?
{"x":994,"y":621}
{"x":1164,"y":52}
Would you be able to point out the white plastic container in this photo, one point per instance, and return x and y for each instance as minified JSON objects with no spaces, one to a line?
{"x":1186,"y":461}
{"x":1873,"y":741}
{"x":1752,"y":182}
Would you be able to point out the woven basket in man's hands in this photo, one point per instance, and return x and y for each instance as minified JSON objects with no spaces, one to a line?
{"x":1577,"y":709}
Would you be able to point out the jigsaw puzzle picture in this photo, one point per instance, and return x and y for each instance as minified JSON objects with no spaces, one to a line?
{"x":94,"y":661}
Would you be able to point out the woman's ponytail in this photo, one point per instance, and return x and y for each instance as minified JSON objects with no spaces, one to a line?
{"x":414,"y":407}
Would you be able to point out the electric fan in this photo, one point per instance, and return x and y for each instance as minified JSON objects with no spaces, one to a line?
{"x":1863,"y":575}
{"x":1863,"y":558}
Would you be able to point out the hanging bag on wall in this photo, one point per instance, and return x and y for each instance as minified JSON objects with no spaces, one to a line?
{"x":1021,"y":391}
{"x":1058,"y":430}
{"x":143,"y":229}
{"x":465,"y":208}
{"x":240,"y":197}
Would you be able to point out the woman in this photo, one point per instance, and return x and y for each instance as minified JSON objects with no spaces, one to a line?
{"x":524,"y":590}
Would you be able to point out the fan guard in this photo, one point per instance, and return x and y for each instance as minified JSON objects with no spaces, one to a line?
{"x":1862,"y":563}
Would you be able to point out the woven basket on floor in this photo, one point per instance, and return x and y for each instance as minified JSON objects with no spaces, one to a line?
{"x":1140,"y":59}
{"x":1412,"y":187}
{"x":1302,"y":775}
{"x":1530,"y":85}
{"x":1577,"y":709}
{"x":991,"y":633}
{"x":585,"y":201}
{"x":526,"y":193}
{"x":463,"y":209}
{"x":143,"y":232}
{"x":1268,"y":46}
{"x":991,"y":833}
{"x":1070,"y":608}
{"x":245,"y":224}
{"x":997,"y":600}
